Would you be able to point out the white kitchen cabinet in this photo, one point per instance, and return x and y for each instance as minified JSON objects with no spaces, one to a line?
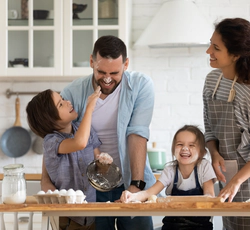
{"x":59,"y":45}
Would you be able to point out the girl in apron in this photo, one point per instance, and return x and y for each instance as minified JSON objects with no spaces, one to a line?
{"x":190,"y":174}
{"x":226,"y":97}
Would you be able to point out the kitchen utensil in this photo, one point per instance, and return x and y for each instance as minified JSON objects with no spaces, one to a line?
{"x":157,"y":157}
{"x":24,"y":9}
{"x":37,"y":145}
{"x":12,"y":14}
{"x":16,"y":141}
{"x":19,"y":61}
{"x":107,"y":8}
{"x":78,"y":8}
{"x":40,"y":14}
{"x":103,"y":177}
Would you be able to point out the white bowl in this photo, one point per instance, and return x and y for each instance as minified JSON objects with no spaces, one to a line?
{"x":81,"y":64}
{"x":18,"y":66}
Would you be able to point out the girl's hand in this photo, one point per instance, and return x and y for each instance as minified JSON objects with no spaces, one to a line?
{"x":92,"y":99}
{"x":127,"y":197}
{"x":105,"y":158}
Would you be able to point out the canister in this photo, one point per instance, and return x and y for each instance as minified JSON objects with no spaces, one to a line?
{"x":157,"y":157}
{"x":107,"y":8}
{"x":14,"y":184}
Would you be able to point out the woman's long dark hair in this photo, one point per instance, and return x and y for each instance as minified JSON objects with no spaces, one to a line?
{"x":235,"y":33}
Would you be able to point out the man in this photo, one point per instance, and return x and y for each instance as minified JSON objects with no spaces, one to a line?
{"x":121,"y":119}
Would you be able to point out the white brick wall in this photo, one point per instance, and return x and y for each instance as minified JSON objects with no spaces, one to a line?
{"x":178,"y":73}
{"x":178,"y":76}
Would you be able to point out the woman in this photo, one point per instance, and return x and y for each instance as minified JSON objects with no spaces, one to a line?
{"x":226,"y":98}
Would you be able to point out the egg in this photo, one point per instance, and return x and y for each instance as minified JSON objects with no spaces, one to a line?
{"x":79,"y":197}
{"x":56,"y":191}
{"x":41,"y":192}
{"x":71,"y":196}
{"x":71,"y":192}
{"x":63,"y":192}
{"x":49,"y":192}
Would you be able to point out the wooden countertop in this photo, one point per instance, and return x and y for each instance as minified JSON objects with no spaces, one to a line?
{"x":189,"y":207}
{"x":30,"y":177}
{"x":34,"y":177}
{"x":135,"y":209}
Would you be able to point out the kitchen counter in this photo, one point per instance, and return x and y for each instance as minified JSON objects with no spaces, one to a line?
{"x":29,"y":177}
{"x":39,"y":176}
{"x":175,"y":208}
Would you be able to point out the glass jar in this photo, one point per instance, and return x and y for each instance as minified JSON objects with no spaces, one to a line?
{"x":14,"y":184}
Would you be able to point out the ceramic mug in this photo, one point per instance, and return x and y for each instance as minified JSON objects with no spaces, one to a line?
{"x":12,"y":14}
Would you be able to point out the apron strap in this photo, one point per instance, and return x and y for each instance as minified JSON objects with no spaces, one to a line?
{"x":217,"y":85}
{"x":232,"y":91}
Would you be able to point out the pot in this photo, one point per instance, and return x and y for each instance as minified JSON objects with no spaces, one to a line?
{"x":157,"y":158}
{"x":37,"y":145}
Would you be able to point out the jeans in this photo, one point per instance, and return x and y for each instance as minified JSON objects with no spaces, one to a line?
{"x":66,"y":223}
{"x":122,"y":223}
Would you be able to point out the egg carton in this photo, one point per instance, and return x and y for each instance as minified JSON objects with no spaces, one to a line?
{"x":58,"y":199}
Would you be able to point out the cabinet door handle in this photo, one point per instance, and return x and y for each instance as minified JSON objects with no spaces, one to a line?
{"x":30,"y":226}
{"x":15,"y":221}
{"x":2,"y":221}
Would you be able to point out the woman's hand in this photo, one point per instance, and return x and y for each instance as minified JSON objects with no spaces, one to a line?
{"x":218,"y":164}
{"x":233,"y":186}
{"x":230,"y":190}
{"x":217,"y":160}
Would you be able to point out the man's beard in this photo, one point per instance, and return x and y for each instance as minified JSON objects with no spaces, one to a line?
{"x":104,"y":90}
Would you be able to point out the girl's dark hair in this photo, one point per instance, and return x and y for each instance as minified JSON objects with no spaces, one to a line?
{"x":235,"y":33}
{"x":42,"y":114}
{"x":199,"y":138}
{"x":110,"y":47}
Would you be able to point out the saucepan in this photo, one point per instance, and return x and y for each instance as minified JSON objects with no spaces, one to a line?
{"x":157,"y":157}
{"x":37,"y":145}
{"x":103,"y":177}
{"x":16,"y":141}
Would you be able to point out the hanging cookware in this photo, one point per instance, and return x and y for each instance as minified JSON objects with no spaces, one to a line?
{"x":37,"y":145}
{"x":16,"y":141}
{"x":157,"y":157}
{"x":103,"y":177}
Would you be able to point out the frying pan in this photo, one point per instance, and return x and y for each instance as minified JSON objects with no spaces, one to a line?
{"x":16,"y":141}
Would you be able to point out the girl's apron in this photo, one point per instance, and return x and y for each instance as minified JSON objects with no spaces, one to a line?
{"x":189,"y":222}
{"x":224,"y":126}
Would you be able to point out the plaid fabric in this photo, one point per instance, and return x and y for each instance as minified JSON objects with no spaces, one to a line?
{"x":228,"y":123}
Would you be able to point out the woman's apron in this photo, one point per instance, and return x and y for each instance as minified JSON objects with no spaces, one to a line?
{"x":223,"y":122}
{"x":189,"y":222}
